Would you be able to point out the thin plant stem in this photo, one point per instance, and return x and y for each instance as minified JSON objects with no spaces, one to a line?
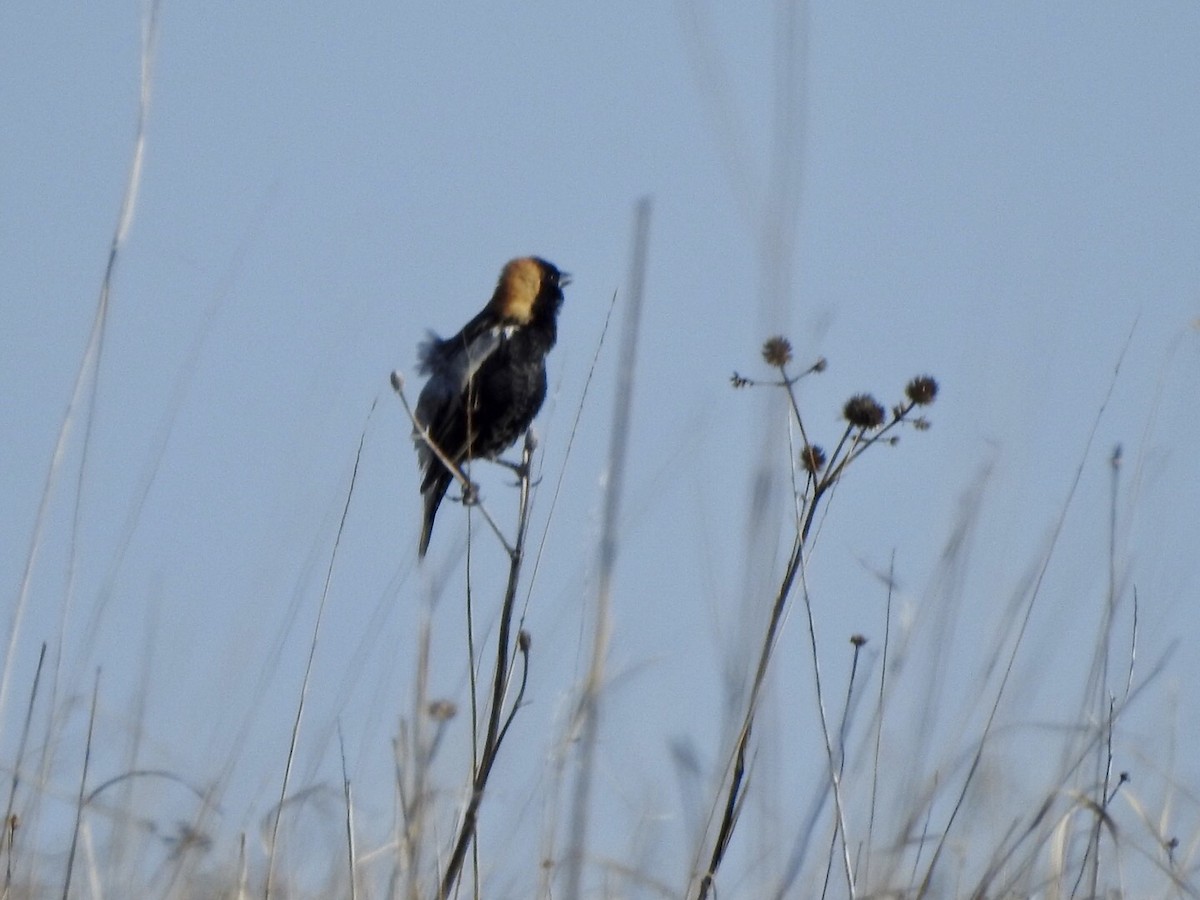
{"x":841,"y":758}
{"x":494,"y":733}
{"x":587,"y":384}
{"x":81,"y":802}
{"x":470,"y":491}
{"x":880,"y":707}
{"x":1035,"y":595}
{"x":835,"y":779}
{"x":473,"y":679}
{"x":588,"y":712}
{"x":854,"y":441}
{"x":413,"y":799}
{"x":10,"y":829}
{"x":85,"y":384}
{"x":312,"y":652}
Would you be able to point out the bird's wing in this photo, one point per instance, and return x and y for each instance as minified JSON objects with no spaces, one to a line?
{"x":456,"y":359}
{"x":450,"y":365}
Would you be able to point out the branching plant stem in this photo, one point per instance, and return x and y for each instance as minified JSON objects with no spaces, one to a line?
{"x":498,"y":723}
{"x":854,"y":441}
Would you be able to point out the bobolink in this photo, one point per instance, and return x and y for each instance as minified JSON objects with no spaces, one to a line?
{"x":487,"y":382}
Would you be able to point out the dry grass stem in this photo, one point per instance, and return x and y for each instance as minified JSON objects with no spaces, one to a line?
{"x":273,"y":842}
{"x":497,"y":724}
{"x":587,"y":714}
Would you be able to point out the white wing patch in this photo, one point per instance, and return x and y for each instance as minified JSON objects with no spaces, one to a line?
{"x":450,"y":366}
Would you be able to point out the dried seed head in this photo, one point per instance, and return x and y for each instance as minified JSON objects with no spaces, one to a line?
{"x":812,"y":458}
{"x":777,"y":351}
{"x":524,"y":640}
{"x":442,"y":710}
{"x":863,"y":411}
{"x":821,"y":364}
{"x":922,"y":390}
{"x":858,"y":640}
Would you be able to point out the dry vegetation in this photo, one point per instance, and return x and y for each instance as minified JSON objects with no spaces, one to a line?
{"x":899,"y":811}
{"x":880,"y":823}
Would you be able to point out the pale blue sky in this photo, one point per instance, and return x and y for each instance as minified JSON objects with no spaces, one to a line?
{"x":997,"y":194}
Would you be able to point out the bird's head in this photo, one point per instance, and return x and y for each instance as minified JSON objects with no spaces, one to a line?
{"x":528,"y":287}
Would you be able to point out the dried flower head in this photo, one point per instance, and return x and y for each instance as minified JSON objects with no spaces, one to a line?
{"x":922,"y":390}
{"x":442,"y":710}
{"x":812,"y":458}
{"x":777,"y":351}
{"x":863,"y":411}
{"x":524,"y":640}
{"x":858,"y":639}
{"x":821,"y":364}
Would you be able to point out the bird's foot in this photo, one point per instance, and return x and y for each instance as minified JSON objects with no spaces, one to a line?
{"x":520,"y":469}
{"x":470,"y":494}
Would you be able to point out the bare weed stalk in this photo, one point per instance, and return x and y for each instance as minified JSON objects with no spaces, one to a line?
{"x":866,"y":425}
{"x":498,"y":722}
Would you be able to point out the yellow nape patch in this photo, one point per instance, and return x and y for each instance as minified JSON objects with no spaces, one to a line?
{"x":517,"y":290}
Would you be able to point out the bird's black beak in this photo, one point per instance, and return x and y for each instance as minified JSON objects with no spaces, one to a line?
{"x":564,"y":278}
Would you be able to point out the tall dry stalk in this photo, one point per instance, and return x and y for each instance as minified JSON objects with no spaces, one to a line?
{"x":815,"y":475}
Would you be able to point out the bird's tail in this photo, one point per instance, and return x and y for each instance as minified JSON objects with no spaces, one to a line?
{"x":433,"y":494}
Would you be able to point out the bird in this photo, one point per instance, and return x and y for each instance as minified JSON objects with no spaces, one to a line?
{"x":487,"y":383}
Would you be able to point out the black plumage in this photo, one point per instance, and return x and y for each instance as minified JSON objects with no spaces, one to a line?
{"x":488,"y":382}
